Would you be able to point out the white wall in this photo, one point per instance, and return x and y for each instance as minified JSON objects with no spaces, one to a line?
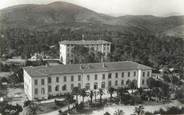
{"x":28,"y":85}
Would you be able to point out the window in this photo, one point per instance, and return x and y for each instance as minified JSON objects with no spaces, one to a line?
{"x":72,"y":78}
{"x":103,"y":76}
{"x":109,"y":75}
{"x":42,"y":91}
{"x":148,"y":74}
{"x":36,"y":82}
{"x":79,"y":77}
{"x":49,"y":88}
{"x":134,"y":73}
{"x":116,"y":75}
{"x":49,"y":80}
{"x":116,"y":83}
{"x":72,"y":86}
{"x":95,"y":85}
{"x":36,"y":91}
{"x":57,"y":79}
{"x":65,"y":79}
{"x":143,"y":74}
{"x":57,"y":88}
{"x":96,"y":76}
{"x":122,"y":74}
{"x":64,"y":87}
{"x":42,"y":82}
{"x":128,"y":74}
{"x":87,"y":85}
{"x":103,"y":85}
{"x":79,"y":85}
{"x":109,"y":84}
{"x":122,"y":82}
{"x":88,"y":77}
{"x":143,"y":82}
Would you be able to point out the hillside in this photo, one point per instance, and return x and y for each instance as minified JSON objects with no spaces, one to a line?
{"x":36,"y":16}
{"x":177,"y":32}
{"x":150,"y":40}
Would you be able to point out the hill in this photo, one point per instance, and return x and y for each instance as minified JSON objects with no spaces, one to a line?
{"x":176,"y":32}
{"x":35,"y":16}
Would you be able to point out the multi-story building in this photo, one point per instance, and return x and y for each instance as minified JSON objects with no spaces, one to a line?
{"x":44,"y":81}
{"x":66,"y":55}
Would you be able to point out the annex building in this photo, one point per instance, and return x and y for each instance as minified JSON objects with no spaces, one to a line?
{"x":43,"y":81}
{"x":66,"y":47}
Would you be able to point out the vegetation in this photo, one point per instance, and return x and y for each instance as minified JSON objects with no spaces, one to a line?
{"x":76,"y":92}
{"x":171,"y":110}
{"x":83,"y":94}
{"x":11,"y":109}
{"x":111,"y":91}
{"x":69,"y":99}
{"x":139,"y":110}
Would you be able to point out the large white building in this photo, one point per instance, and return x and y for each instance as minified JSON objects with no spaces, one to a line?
{"x":44,"y":81}
{"x":66,"y":55}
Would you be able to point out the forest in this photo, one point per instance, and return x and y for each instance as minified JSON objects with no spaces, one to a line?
{"x":150,"y":49}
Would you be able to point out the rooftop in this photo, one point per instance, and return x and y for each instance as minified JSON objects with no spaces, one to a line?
{"x":82,"y":42}
{"x":44,"y":71}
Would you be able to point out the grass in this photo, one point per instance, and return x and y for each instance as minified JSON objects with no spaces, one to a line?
{"x":48,"y":107}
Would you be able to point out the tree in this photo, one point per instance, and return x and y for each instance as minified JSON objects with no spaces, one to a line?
{"x":119,"y":112}
{"x":95,"y":94}
{"x":132,"y":85}
{"x":107,"y":113}
{"x":83,"y":94}
{"x":111,"y":91}
{"x":91,"y":94}
{"x":139,"y":110}
{"x":120,"y":91}
{"x":76,"y":91}
{"x":31,"y":109}
{"x":101,"y":94}
{"x":151,"y":83}
{"x":69,"y":99}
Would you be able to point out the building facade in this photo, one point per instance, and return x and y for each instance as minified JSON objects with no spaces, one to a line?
{"x":44,"y":81}
{"x":96,"y":45}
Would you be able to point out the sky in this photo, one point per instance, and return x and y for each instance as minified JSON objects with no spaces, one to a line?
{"x":117,"y":7}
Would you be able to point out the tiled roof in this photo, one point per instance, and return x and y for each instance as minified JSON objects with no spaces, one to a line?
{"x":41,"y":71}
{"x":81,"y":42}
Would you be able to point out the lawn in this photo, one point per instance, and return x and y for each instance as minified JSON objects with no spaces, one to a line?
{"x":47,"y":107}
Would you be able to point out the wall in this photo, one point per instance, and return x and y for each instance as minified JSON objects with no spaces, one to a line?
{"x":28,"y":85}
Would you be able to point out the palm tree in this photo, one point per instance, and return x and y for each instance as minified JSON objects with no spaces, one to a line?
{"x":91,"y":95}
{"x":95,"y":94}
{"x":69,"y":99}
{"x":120,"y":92}
{"x":76,"y":91}
{"x":83,"y":93}
{"x":119,"y":112}
{"x":101,"y":93}
{"x":31,"y":109}
{"x":132,"y":85}
{"x":139,"y":110}
{"x":111,"y":91}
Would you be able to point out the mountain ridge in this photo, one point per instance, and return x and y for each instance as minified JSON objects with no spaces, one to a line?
{"x":35,"y":15}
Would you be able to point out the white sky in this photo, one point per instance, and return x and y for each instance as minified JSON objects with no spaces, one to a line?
{"x":117,"y":7}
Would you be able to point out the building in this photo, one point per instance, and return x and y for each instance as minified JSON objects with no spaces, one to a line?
{"x":97,"y":45}
{"x":43,"y":81}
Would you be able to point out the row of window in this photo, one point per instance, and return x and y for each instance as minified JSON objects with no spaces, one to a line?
{"x":87,"y":86}
{"x":88,"y":77}
{"x":89,"y":45}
